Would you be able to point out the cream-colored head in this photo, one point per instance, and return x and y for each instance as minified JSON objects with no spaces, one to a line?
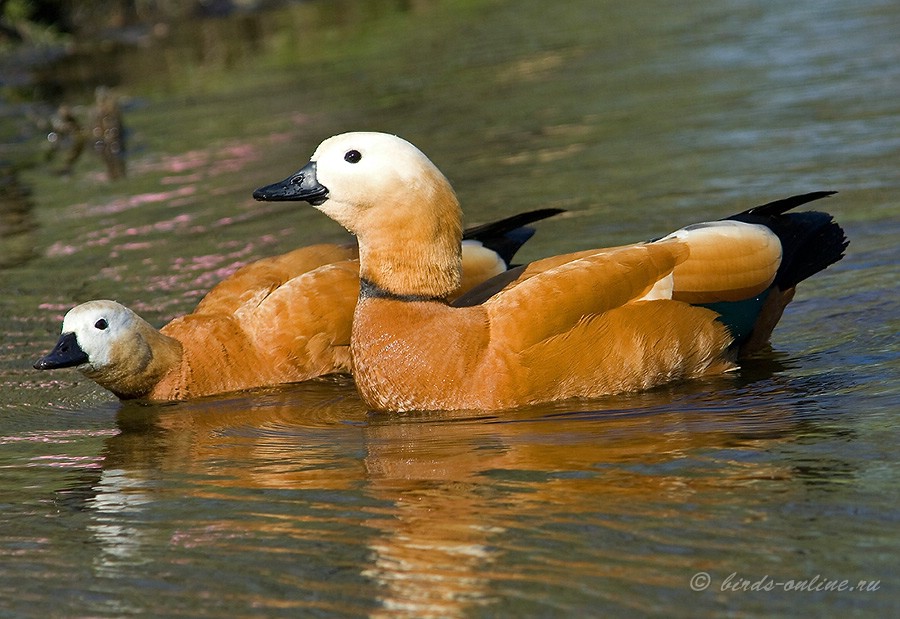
{"x":100,"y":327}
{"x":394,"y":199}
{"x":365,"y":170}
{"x":112,"y":346}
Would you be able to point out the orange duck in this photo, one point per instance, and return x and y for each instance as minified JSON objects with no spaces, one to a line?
{"x":578,"y":325}
{"x":278,"y":320}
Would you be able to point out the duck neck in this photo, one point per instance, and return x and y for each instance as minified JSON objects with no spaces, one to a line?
{"x":414,"y":258}
{"x":139,"y":363}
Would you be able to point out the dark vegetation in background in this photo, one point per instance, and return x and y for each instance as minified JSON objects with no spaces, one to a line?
{"x":77,"y":17}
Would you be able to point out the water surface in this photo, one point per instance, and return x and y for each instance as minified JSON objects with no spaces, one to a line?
{"x":297,"y":501}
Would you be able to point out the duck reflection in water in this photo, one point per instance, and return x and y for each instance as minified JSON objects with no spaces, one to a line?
{"x":443,"y":502}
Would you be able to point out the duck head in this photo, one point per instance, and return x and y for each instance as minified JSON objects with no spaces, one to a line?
{"x":113,"y":346}
{"x":394,"y":199}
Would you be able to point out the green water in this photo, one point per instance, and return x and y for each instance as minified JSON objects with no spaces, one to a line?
{"x":637,"y":118}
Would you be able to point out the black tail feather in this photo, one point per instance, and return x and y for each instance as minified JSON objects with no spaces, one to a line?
{"x":506,"y":236}
{"x":810,"y":241}
{"x":779,"y":207}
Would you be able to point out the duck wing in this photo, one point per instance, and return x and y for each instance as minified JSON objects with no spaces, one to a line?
{"x":728,"y":261}
{"x":558,"y":293}
{"x":255,"y":281}
{"x":303,"y":327}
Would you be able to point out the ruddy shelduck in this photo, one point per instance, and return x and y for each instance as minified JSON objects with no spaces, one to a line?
{"x":579,"y":325}
{"x":278,"y":320}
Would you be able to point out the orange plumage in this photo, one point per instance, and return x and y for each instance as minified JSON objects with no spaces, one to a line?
{"x":278,"y":320}
{"x":579,"y":325}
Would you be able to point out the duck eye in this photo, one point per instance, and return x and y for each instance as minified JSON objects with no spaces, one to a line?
{"x":352,"y":156}
{"x":101,"y":324}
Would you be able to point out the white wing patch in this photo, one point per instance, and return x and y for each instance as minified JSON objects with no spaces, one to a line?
{"x":661,"y":289}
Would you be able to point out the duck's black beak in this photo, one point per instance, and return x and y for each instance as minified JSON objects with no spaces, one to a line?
{"x":66,"y":354}
{"x":298,"y":187}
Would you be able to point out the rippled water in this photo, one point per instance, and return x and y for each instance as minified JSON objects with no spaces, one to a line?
{"x":297,"y":501}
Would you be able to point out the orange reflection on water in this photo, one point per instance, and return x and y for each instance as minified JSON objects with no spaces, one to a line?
{"x":449,"y":495}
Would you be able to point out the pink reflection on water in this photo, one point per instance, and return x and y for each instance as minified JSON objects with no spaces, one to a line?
{"x":132,"y":247}
{"x":113,"y":273}
{"x":181,"y":179}
{"x":59,"y":249}
{"x":56,"y":436}
{"x":173,"y":164}
{"x":127,"y":203}
{"x":194,"y":166}
{"x":171,"y":224}
{"x":164,"y":283}
{"x":243,"y":151}
{"x":104,"y":236}
{"x":193,"y":276}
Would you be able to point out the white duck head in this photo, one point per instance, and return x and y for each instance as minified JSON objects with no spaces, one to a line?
{"x":394,"y":199}
{"x":111,"y":345}
{"x":90,"y":333}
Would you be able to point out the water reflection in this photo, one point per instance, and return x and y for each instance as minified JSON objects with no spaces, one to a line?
{"x":118,"y":498}
{"x":108,"y":132}
{"x":178,"y":46}
{"x":102,"y":124}
{"x":445,"y":503}
{"x":66,"y":136}
{"x":17,"y":222}
{"x":297,"y":502}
